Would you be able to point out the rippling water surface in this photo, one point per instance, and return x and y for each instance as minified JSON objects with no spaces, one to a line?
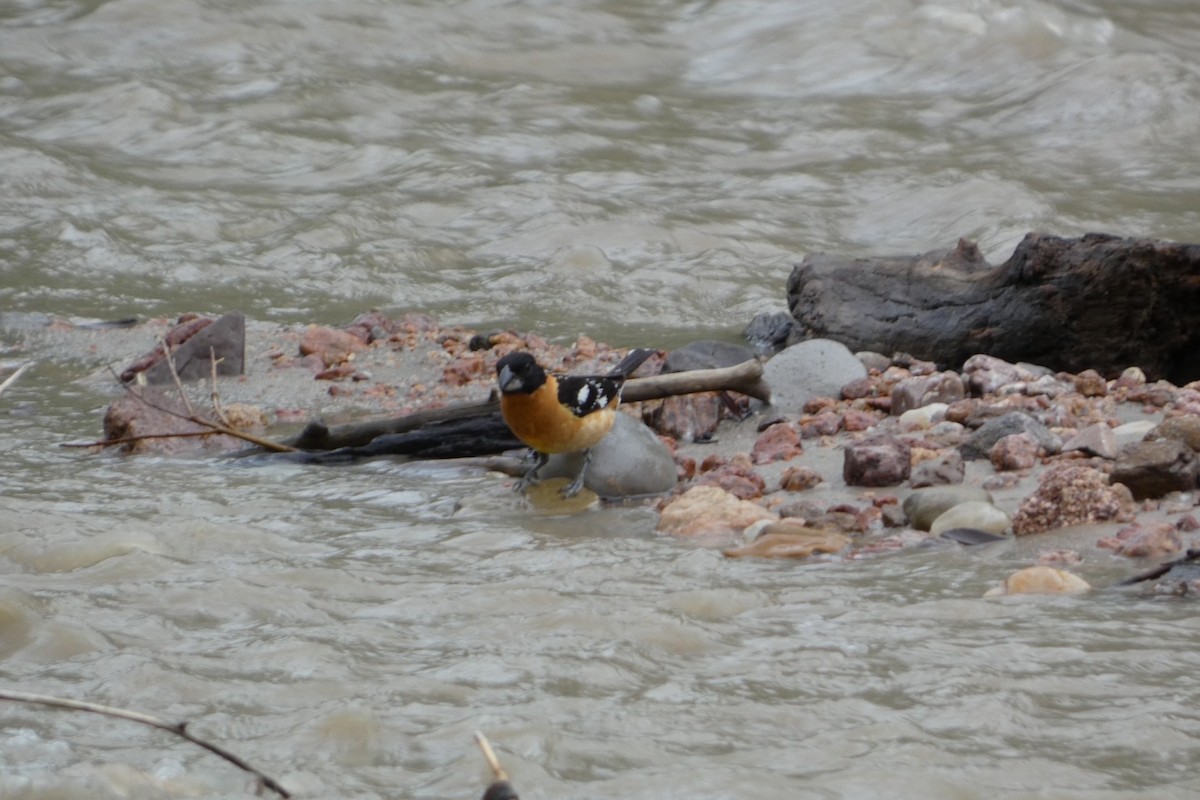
{"x":643,"y":172}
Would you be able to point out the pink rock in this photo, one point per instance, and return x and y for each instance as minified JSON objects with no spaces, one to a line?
{"x":882,"y":461}
{"x":1072,"y":495}
{"x":1015,"y":451}
{"x":780,"y":442}
{"x":711,"y":513}
{"x":1144,"y":541}
{"x":797,"y":479}
{"x":331,"y":345}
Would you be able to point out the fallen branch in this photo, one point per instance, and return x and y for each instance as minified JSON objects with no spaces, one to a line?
{"x":177,"y":728}
{"x":744,"y":378}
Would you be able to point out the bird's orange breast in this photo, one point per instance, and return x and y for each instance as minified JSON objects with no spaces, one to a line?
{"x":541,"y":422}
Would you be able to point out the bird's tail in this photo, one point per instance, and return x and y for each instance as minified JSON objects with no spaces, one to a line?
{"x":630,"y":362}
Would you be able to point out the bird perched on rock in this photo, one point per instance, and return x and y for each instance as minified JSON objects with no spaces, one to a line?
{"x":560,"y":414}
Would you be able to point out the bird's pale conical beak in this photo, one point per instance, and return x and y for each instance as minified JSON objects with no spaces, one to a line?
{"x":509,"y":381}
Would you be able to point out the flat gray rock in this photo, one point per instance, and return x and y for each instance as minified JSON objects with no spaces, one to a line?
{"x":630,"y":461}
{"x":813,"y":368}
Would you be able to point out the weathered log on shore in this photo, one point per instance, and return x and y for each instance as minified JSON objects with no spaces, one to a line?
{"x":1099,"y":302}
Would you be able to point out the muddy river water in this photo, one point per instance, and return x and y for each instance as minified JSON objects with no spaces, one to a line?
{"x":644,"y":173}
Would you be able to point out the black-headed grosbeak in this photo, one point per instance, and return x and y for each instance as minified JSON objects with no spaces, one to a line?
{"x":560,"y":414}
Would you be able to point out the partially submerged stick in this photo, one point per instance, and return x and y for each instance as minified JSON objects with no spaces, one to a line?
{"x":499,"y":788}
{"x":177,"y":728}
{"x":11,"y":379}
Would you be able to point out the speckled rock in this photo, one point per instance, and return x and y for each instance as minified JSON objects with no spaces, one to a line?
{"x":923,"y":506}
{"x":1015,"y":451}
{"x":1072,"y":495}
{"x":780,"y":442}
{"x":879,"y":461}
{"x":798,"y":479}
{"x":1090,"y":383}
{"x":688,"y":418}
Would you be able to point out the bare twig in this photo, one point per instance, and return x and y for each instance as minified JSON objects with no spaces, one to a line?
{"x":215,"y":395}
{"x":213,"y":427}
{"x":132,"y":439}
{"x":177,"y":728}
{"x":11,"y":379}
{"x":170,"y":359}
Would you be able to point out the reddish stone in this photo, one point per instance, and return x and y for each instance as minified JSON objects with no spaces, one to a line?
{"x":464,"y":370}
{"x":331,"y":345}
{"x":824,"y":424}
{"x":882,"y":461}
{"x":1015,"y":451}
{"x":1090,"y":383}
{"x":740,"y":481}
{"x":857,"y":389}
{"x":338,"y":373}
{"x":708,"y":512}
{"x":797,"y":479}
{"x":1144,"y":541}
{"x":854,"y":421}
{"x":689,"y":418}
{"x":1072,"y":495}
{"x":816,"y":405}
{"x":778,"y":443}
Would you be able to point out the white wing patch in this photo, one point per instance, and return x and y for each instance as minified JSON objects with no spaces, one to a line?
{"x":585,"y":394}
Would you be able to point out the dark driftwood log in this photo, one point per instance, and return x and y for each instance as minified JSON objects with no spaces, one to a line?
{"x":474,"y":429}
{"x":1097,"y":302}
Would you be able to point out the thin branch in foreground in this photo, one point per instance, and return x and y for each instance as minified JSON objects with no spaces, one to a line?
{"x":177,"y":728}
{"x":138,"y":438}
{"x":11,"y":379}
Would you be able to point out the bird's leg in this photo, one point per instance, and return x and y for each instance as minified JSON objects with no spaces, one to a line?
{"x":530,"y":477}
{"x":574,"y":487}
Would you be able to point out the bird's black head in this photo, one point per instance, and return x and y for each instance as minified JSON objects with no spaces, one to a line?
{"x":518,"y":373}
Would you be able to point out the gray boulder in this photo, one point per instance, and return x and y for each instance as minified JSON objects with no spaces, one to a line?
{"x":630,"y":461}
